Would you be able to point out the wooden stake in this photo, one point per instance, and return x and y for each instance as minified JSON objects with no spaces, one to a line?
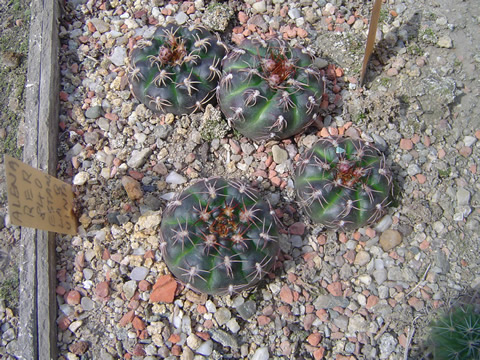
{"x":372,"y":32}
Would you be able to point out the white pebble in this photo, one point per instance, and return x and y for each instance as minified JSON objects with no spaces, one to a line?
{"x":81,"y":178}
{"x":175,"y":178}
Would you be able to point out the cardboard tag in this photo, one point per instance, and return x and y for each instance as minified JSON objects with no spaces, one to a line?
{"x":38,"y":200}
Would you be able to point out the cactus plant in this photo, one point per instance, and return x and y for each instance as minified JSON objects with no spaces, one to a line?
{"x":269,"y":90}
{"x":456,"y":335}
{"x":217,"y":237}
{"x":177,"y":70}
{"x":343,"y":183}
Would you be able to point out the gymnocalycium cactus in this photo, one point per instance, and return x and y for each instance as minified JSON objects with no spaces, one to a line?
{"x":269,"y":90}
{"x":343,"y":183}
{"x":456,"y":335}
{"x":177,"y":70}
{"x":218,"y":238}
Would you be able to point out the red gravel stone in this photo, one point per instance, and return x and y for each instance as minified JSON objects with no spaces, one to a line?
{"x":286,"y":294}
{"x":319,"y":353}
{"x":102,"y":290}
{"x":73,"y":297}
{"x":465,"y":151}
{"x":416,"y":303}
{"x":314,"y":338}
{"x":138,"y":323}
{"x":144,"y":285}
{"x":335,"y":288}
{"x":60,"y":290}
{"x":174,"y":338}
{"x":164,"y":289}
{"x":286,"y":348}
{"x":308,"y":321}
{"x":297,"y":228}
{"x":127,"y":318}
{"x":406,"y":144}
{"x":371,"y":301}
{"x":263,"y":320}
{"x":63,"y":323}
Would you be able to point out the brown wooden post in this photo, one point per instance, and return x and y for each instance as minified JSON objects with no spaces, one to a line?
{"x":37,"y":313}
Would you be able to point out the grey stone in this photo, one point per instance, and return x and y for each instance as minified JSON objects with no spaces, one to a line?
{"x":387,"y":345}
{"x":414,"y":169}
{"x":9,"y":335}
{"x":175,"y":178}
{"x":87,"y":273}
{"x":222,"y":315}
{"x":181,"y":18}
{"x":259,"y":6}
{"x":138,"y":158}
{"x":118,"y":56}
{"x":94,"y":112}
{"x":225,"y":339}
{"x":139,"y":273}
{"x":294,"y":13}
{"x":380,"y":275}
{"x":247,"y":309}
{"x":383,"y":224}
{"x":129,"y":288}
{"x":341,"y":322}
{"x":12,"y":348}
{"x":233,"y":326}
{"x":100,"y":25}
{"x":330,"y":301}
{"x":91,"y":137}
{"x":163,"y":131}
{"x":261,"y":354}
{"x":357,"y":323}
{"x":206,"y":348}
{"x":395,"y":274}
{"x":247,"y":148}
{"x":279,"y":155}
{"x":87,"y":303}
{"x":445,"y":42}
{"x":441,"y":262}
{"x":463,"y":197}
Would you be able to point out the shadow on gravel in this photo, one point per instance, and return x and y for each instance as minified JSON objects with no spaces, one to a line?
{"x":386,"y":48}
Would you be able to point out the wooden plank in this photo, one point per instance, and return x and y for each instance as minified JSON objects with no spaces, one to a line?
{"x":37,"y":313}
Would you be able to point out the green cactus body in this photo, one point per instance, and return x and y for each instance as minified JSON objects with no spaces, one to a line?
{"x":456,"y":335}
{"x":343,"y":183}
{"x":270,"y":91}
{"x":218,"y":238}
{"x":177,"y":70}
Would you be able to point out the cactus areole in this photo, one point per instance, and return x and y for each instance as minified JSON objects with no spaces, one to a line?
{"x":218,"y":238}
{"x":177,"y":70}
{"x":343,"y":183}
{"x":269,"y":91}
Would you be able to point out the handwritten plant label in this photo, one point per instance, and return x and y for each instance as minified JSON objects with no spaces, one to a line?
{"x":38,"y":200}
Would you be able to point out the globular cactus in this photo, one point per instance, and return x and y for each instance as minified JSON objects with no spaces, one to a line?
{"x":269,"y":90}
{"x":177,"y":70}
{"x":456,"y":335}
{"x":343,"y":183}
{"x":218,"y":238}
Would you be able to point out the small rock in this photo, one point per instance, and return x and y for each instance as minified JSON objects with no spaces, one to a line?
{"x":78,"y":348}
{"x":94,"y":112}
{"x":362,"y":258}
{"x":73,"y":297}
{"x":138,"y":158}
{"x":100,"y":25}
{"x":127,"y":318}
{"x":357,"y":323}
{"x":129,"y":289}
{"x":261,"y":354}
{"x":225,"y":339}
{"x":380,"y":275}
{"x":297,"y":228}
{"x":164,"y":289}
{"x":445,"y":42}
{"x":87,"y":304}
{"x":387,"y":345}
{"x":259,"y":6}
{"x":463,"y":197}
{"x":247,"y":309}
{"x":175,"y":178}
{"x":102,"y":290}
{"x":118,"y":56}
{"x":132,"y":187}
{"x":222,"y":315}
{"x":75,"y":325}
{"x":389,"y":239}
{"x":81,"y":178}
{"x":233,"y":326}
{"x":330,"y":301}
{"x":139,"y":273}
{"x":193,"y":341}
{"x":91,"y":137}
{"x":9,"y":334}
{"x":206,"y":348}
{"x":279,"y":155}
{"x":10,"y":59}
{"x":181,"y":18}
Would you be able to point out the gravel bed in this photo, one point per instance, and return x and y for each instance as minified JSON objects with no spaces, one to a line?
{"x":361,"y":295}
